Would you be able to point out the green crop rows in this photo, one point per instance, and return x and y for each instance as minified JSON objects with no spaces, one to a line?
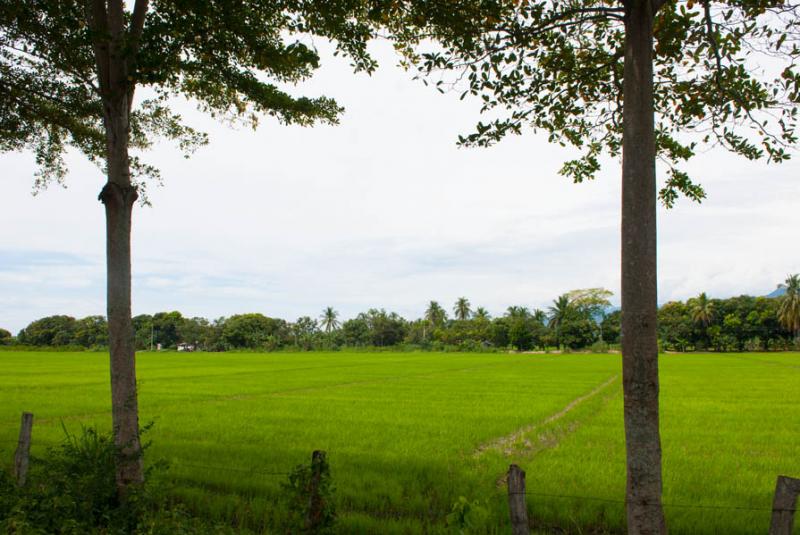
{"x":407,"y":434}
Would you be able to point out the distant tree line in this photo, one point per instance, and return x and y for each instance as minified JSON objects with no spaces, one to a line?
{"x":743,"y":323}
{"x":580,"y":319}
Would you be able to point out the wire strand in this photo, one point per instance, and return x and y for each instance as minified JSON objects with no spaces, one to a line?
{"x":675,"y":505}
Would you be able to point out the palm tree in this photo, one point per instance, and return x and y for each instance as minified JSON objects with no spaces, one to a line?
{"x":702,"y":310}
{"x":518,"y":312}
{"x":461,"y":309}
{"x":435,"y":313}
{"x":481,"y":314}
{"x":789,"y":311}
{"x":329,"y":319}
{"x":559,"y":312}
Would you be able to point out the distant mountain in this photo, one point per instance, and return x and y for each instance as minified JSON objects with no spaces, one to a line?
{"x":777,"y":292}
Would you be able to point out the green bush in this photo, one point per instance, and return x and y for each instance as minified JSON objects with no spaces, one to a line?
{"x":72,"y":490}
{"x":467,"y":517}
{"x":297,"y":493}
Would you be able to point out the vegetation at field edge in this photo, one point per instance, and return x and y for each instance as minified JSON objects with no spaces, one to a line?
{"x":577,"y":320}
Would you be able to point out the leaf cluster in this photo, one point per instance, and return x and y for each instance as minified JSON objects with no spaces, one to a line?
{"x":236,"y":60}
{"x":725,"y":74}
{"x":467,"y":517}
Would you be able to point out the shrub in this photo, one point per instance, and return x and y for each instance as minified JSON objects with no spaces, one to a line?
{"x":297,"y":493}
{"x":72,"y":490}
{"x":467,"y":517}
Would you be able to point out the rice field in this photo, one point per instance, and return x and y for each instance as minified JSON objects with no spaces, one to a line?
{"x":408,"y":434}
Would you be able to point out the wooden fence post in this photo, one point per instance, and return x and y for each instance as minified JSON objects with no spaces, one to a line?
{"x":22,"y":454}
{"x":517,"y":507}
{"x":315,"y":505}
{"x":784,"y":505}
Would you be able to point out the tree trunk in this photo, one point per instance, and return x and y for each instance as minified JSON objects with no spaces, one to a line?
{"x":639,"y":283}
{"x":118,"y":196}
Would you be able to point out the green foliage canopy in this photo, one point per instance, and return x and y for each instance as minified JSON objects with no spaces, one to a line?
{"x":5,"y":337}
{"x":725,"y":74}
{"x":233,"y":59}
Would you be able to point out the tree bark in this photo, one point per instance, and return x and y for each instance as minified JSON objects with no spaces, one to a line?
{"x":119,"y":196}
{"x":639,"y":283}
{"x":115,"y":53}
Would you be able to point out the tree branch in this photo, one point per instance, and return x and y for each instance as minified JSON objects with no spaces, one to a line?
{"x":137,"y":25}
{"x":712,"y":40}
{"x":657,"y":4}
{"x":33,"y":58}
{"x":135,"y":34}
{"x":98,"y":23}
{"x":561,"y":21}
{"x":116,"y":18}
{"x":118,"y":64}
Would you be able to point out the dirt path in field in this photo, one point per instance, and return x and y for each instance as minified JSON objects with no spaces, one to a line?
{"x":509,"y":443}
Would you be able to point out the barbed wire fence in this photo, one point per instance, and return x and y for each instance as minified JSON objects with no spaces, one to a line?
{"x":717,"y":507}
{"x":784,"y":505}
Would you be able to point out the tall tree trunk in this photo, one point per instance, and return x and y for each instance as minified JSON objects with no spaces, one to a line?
{"x":119,"y":196}
{"x":639,"y":283}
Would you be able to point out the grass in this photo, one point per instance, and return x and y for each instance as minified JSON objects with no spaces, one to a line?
{"x":407,"y":434}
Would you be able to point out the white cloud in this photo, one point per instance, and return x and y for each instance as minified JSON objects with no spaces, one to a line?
{"x":381,"y":210}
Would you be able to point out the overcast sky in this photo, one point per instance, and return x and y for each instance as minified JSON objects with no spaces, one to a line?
{"x":382,"y":210}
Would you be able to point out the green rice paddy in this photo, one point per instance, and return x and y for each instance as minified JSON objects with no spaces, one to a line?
{"x":407,"y":434}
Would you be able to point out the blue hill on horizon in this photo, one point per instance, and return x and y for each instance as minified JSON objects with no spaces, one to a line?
{"x":777,"y":292}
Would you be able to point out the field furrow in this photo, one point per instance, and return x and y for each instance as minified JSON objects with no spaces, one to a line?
{"x":507,"y":443}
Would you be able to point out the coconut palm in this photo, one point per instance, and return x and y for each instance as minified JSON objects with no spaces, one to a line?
{"x":329,"y":319}
{"x":435,"y":313}
{"x":789,"y":310}
{"x":481,"y":314}
{"x":559,"y":312}
{"x":702,"y":310}
{"x":461,"y":309}
{"x":518,"y":312}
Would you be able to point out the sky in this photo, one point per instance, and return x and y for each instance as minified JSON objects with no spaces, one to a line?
{"x":382,"y":210}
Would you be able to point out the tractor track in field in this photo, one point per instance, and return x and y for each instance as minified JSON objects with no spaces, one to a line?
{"x":508,"y":443}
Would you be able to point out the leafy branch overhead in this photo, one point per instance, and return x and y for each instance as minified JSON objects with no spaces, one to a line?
{"x":725,"y":75}
{"x":233,"y":59}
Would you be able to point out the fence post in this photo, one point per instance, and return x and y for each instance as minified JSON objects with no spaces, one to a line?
{"x":22,"y":454}
{"x":517,"y":507}
{"x":784,"y":505}
{"x":315,"y":505}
